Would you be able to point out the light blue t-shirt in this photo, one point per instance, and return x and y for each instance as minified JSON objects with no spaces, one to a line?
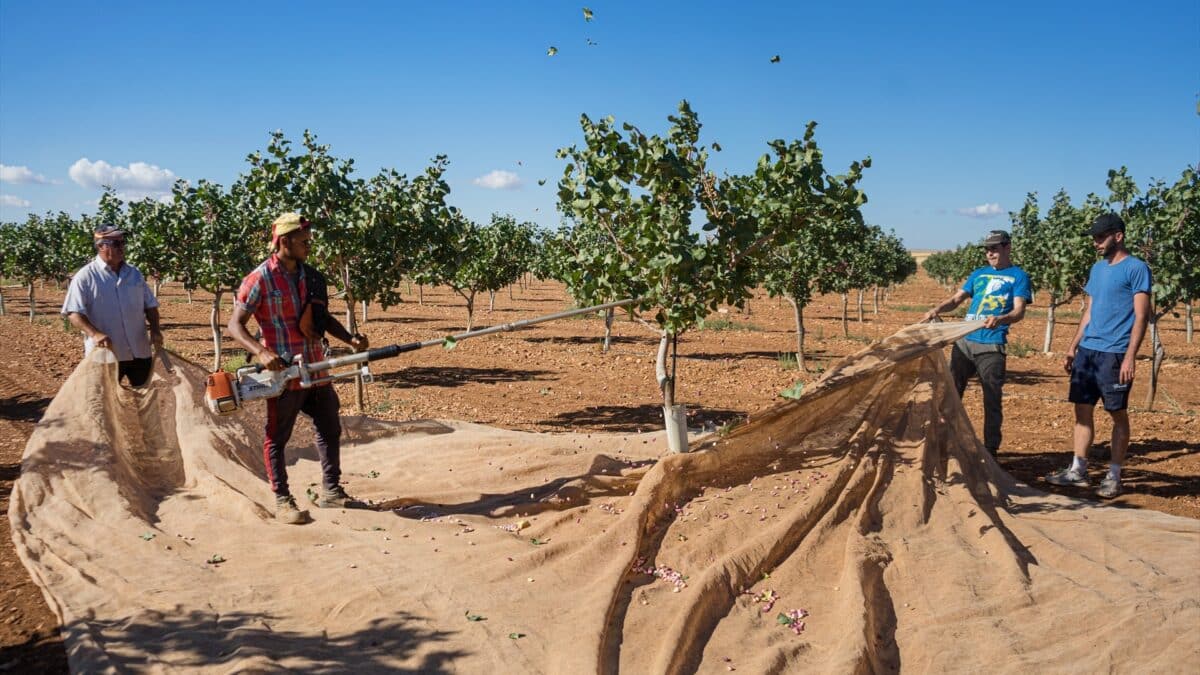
{"x":115,"y":304}
{"x":992,"y":292}
{"x":1112,"y":288}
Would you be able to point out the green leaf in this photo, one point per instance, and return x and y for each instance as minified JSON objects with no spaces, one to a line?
{"x":372,"y":474}
{"x":515,"y":636}
{"x":783,"y":619}
{"x":147,"y":536}
{"x":538,"y":542}
{"x":793,"y":392}
{"x":587,"y":14}
{"x":775,"y":59}
{"x":449,"y":343}
{"x":475,"y":617}
{"x":551,"y":51}
{"x":215,"y":559}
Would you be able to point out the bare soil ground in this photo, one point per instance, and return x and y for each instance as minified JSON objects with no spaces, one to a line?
{"x":555,"y":378}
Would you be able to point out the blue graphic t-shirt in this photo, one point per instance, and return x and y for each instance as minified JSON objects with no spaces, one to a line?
{"x":992,"y":292}
{"x":1112,"y":288}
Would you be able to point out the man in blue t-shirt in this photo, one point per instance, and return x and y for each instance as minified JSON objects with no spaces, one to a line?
{"x":1102,"y":357}
{"x":999,"y":293}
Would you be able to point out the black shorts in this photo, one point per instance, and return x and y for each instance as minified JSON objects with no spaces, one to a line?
{"x":1097,"y":375}
{"x":137,"y":370}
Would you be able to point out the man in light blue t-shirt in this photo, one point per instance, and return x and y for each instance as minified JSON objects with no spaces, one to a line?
{"x":1103,"y":355}
{"x":999,"y":293}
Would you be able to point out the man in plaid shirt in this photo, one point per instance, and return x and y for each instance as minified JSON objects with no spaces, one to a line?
{"x":288,"y":300}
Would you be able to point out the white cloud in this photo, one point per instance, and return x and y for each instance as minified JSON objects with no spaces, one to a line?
{"x":133,"y":182}
{"x":498,"y":180}
{"x":21,"y":174}
{"x":982,"y":211}
{"x":9,"y":200}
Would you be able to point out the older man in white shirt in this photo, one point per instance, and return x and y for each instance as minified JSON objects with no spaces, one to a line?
{"x":111,"y":303}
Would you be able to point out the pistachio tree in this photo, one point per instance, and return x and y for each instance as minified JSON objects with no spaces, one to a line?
{"x":1163,"y":229}
{"x":638,"y":194}
{"x":951,"y":267}
{"x":470,"y":258}
{"x":1054,"y":251}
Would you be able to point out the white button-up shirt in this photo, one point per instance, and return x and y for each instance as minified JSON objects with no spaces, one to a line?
{"x":115,"y":303}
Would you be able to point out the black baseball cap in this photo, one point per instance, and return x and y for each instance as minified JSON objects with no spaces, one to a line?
{"x":1109,"y":222}
{"x":996,"y":238}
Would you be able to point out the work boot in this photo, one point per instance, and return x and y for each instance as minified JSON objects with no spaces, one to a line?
{"x":287,"y":512}
{"x":336,"y":498}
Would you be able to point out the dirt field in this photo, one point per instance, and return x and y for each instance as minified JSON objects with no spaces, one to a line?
{"x":554,"y":377}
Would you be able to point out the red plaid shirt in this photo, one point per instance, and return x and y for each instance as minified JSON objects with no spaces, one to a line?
{"x":275,"y":300}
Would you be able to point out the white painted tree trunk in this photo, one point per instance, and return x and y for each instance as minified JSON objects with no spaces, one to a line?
{"x":32,"y":305}
{"x":798,"y":311}
{"x":1187,"y":320}
{"x":214,"y":322}
{"x":674,"y":417}
{"x":608,"y":323}
{"x":1050,"y":309}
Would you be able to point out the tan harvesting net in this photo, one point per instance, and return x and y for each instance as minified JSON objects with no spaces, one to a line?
{"x":860,"y":529}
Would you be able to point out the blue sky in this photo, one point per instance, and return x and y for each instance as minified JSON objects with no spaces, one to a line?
{"x":960,"y":105}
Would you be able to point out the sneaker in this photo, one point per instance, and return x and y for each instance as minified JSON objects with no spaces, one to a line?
{"x":1109,"y":487}
{"x":336,"y":498}
{"x":286,"y":510}
{"x":1068,"y":478}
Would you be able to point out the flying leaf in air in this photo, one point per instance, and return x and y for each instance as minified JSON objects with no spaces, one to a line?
{"x":542,"y":181}
{"x":552,"y":51}
{"x":587,"y":14}
{"x":449,"y":343}
{"x":591,"y":42}
{"x":775,"y":59}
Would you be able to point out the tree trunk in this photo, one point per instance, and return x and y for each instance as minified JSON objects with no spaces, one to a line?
{"x":608,"y":323}
{"x":1157,"y":355}
{"x":157,"y":286}
{"x":510,"y":295}
{"x":421,"y":294}
{"x":189,"y":294}
{"x":860,"y":305}
{"x":875,"y":301}
{"x":746,"y":307}
{"x":491,"y":301}
{"x":845,"y":319}
{"x":1050,"y":309}
{"x":408,"y":286}
{"x":214,"y":322}
{"x":799,"y":313}
{"x":352,"y":328}
{"x":32,"y":308}
{"x":3,"y":312}
{"x":470,"y":310}
{"x":1187,"y":319}
{"x":364,"y":311}
{"x":665,"y":383}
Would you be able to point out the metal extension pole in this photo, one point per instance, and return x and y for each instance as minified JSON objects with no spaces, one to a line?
{"x":395,"y":350}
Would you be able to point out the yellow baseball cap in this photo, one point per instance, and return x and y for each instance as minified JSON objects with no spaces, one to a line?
{"x":287,"y":223}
